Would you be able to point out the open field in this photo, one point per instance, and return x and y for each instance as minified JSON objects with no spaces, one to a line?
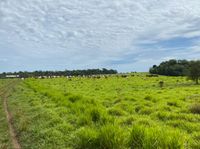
{"x":4,"y":130}
{"x":105,"y":113}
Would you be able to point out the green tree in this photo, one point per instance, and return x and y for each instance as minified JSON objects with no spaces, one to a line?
{"x":194,"y":71}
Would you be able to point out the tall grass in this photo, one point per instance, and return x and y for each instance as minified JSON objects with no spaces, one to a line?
{"x":195,"y":108}
{"x":112,"y":113}
{"x":107,"y":137}
{"x":156,"y":138}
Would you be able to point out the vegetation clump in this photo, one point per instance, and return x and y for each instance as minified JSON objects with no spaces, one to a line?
{"x":151,"y":138}
{"x":108,"y":137}
{"x":173,"y":67}
{"x":148,"y":97}
{"x":121,"y":114}
{"x":195,"y":108}
{"x":74,"y":98}
{"x":161,"y":84}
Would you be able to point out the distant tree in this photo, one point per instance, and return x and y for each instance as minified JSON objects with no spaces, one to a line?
{"x":26,"y":74}
{"x":171,"y":68}
{"x":194,"y":71}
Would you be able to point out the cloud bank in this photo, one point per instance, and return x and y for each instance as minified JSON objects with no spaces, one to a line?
{"x":127,"y":35}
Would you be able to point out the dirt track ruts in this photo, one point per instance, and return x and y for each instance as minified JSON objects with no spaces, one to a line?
{"x":4,"y":94}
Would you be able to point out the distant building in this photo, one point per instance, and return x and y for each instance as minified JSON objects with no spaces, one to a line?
{"x":12,"y":76}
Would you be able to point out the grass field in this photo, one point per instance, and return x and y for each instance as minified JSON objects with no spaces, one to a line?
{"x":106,"y":113}
{"x":4,"y":131}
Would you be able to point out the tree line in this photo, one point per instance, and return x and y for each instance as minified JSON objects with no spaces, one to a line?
{"x":178,"y":68}
{"x":26,"y":74}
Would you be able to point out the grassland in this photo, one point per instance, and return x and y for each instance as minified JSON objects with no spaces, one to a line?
{"x":107,"y":113}
{"x":4,"y":131}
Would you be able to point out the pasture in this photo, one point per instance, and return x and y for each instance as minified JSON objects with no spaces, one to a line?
{"x":115,"y":112}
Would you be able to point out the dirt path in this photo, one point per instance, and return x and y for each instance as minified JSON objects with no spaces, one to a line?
{"x":4,"y":95}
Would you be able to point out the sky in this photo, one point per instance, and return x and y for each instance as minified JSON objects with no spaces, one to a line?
{"x":127,"y":35}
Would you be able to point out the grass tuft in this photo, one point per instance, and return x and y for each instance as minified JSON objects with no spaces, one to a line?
{"x":195,"y":108}
{"x":155,"y":138}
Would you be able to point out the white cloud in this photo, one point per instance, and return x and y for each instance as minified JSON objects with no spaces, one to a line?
{"x":93,"y":31}
{"x":3,"y":60}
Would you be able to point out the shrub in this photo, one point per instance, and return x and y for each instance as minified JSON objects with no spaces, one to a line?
{"x":195,"y":108}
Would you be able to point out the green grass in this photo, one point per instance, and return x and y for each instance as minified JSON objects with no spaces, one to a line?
{"x":155,"y":138}
{"x":107,"y":113}
{"x":4,"y":131}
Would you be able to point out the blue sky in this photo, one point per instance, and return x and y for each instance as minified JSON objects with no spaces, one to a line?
{"x":128,"y":35}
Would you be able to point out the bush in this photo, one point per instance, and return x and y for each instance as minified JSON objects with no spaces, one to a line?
{"x":195,"y":108}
